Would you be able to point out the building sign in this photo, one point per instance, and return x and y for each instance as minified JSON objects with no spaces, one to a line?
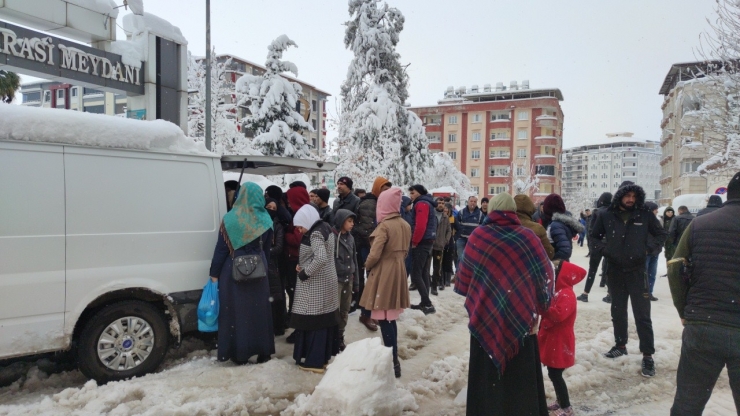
{"x":721,"y":190}
{"x":35,"y":53}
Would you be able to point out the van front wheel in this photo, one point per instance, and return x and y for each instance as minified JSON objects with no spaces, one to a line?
{"x":123,"y":340}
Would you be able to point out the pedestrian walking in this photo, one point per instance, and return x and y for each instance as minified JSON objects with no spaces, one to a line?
{"x":624,"y":229}
{"x":651,"y":262}
{"x":386,"y":294}
{"x":345,"y":257}
{"x":524,"y":211}
{"x":595,"y":257}
{"x":708,"y":304}
{"x":562,"y":227}
{"x":444,"y":232}
{"x":424,"y":234}
{"x":245,"y":316}
{"x":507,"y":280}
{"x":315,"y":315}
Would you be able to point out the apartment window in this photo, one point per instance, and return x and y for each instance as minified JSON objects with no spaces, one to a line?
{"x":476,"y":190}
{"x":495,"y":170}
{"x":313,"y":123}
{"x":521,"y":153}
{"x":500,"y":189}
{"x":452,"y":137}
{"x":313,"y":105}
{"x":474,"y":172}
{"x":499,"y":153}
{"x":476,"y":136}
{"x":521,"y":134}
{"x":477,"y":118}
{"x":604,"y":176}
{"x":500,"y":116}
{"x":475,"y":154}
{"x":523,"y":115}
{"x":30,"y":97}
{"x":453,"y":155}
{"x":545,"y":170}
{"x":690,"y":165}
{"x":433,"y":138}
{"x":500,"y":135}
{"x":60,"y":94}
{"x":452,"y":119}
{"x":519,"y":171}
{"x":313,"y":143}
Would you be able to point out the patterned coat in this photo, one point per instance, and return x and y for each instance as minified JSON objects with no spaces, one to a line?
{"x":316,"y":304}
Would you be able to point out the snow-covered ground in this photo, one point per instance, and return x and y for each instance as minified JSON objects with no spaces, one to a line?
{"x":434,"y":359}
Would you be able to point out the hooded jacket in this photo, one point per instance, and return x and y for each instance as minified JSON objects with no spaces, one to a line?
{"x":423,"y":221}
{"x":561,"y":231}
{"x":556,"y":337}
{"x":602,"y":204}
{"x":297,"y":198}
{"x":524,"y":210}
{"x":678,"y":226}
{"x":714,"y":203}
{"x":625,"y":244}
{"x":345,"y":253}
{"x":365,"y":222}
{"x":377,"y":184}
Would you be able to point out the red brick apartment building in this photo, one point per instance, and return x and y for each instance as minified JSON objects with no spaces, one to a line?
{"x":498,"y":135}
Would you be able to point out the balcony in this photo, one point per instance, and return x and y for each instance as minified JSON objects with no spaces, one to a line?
{"x":544,"y":156}
{"x":546,"y":120}
{"x":666,"y":179}
{"x":545,"y":138}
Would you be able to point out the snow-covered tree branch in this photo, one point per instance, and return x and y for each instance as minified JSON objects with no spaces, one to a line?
{"x":524,"y":179}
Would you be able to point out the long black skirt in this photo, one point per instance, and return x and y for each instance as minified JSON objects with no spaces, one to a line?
{"x":521,"y":389}
{"x":245,"y":318}
{"x":315,"y":348}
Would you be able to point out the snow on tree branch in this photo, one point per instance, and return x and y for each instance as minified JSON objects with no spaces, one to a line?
{"x":524,"y":179}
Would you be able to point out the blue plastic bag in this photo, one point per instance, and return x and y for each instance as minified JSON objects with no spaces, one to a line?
{"x":208,"y":308}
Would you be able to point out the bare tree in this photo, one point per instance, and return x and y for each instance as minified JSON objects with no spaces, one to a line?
{"x":524,"y":179}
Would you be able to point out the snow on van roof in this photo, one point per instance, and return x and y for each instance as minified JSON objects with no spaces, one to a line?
{"x":32,"y":124}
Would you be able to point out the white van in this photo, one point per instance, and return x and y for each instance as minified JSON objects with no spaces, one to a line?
{"x":106,"y":249}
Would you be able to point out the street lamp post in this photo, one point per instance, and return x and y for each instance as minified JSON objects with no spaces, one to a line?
{"x":208,"y":74}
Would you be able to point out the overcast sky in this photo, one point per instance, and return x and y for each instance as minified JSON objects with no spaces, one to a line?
{"x":609,"y":58}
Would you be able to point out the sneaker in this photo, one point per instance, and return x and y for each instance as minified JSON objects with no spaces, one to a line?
{"x":568,"y":411}
{"x":553,"y":406}
{"x":653,"y":298}
{"x":416,"y":307}
{"x":648,"y":367}
{"x":428,"y":310}
{"x":583,"y":297}
{"x":607,"y":298}
{"x":617,"y":352}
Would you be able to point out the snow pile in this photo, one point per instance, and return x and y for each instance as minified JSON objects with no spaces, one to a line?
{"x":360,"y":381}
{"x":132,"y":51}
{"x":147,"y":22}
{"x":443,"y":377}
{"x":48,"y":125}
{"x":108,"y":7}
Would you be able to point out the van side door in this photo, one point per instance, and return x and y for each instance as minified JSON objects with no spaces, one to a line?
{"x":32,"y":248}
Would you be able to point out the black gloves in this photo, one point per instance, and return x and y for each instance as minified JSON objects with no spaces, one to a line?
{"x":302,"y":275}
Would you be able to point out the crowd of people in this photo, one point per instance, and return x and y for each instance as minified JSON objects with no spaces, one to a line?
{"x":510,"y":259}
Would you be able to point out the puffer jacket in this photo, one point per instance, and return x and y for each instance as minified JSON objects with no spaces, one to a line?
{"x":714,"y":203}
{"x":625,"y":245}
{"x":345,"y":253}
{"x":423,"y":221}
{"x":561,"y":231}
{"x":678,"y":226}
{"x":365,"y":221}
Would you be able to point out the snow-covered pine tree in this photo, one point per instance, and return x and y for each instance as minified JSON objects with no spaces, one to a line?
{"x":226,"y":138}
{"x":444,"y":172}
{"x":377,"y":134}
{"x":271,"y":100}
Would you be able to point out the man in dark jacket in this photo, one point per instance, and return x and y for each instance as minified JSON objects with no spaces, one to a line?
{"x":444,"y":232}
{"x":621,"y":235}
{"x":668,"y":216}
{"x":466,"y":221}
{"x":345,"y":262}
{"x":423,"y":235}
{"x":322,"y":204}
{"x":708,"y":305}
{"x":714,"y":203}
{"x":602,"y":204}
{"x":679,"y":224}
{"x":347,"y":199}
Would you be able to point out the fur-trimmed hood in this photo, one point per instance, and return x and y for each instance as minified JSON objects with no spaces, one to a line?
{"x":571,"y":222}
{"x":621,"y":192}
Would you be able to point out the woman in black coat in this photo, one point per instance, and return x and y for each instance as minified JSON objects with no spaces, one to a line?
{"x":245,"y":316}
{"x":277,"y":290}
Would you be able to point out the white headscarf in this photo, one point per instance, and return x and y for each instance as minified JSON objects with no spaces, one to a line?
{"x":306,"y":217}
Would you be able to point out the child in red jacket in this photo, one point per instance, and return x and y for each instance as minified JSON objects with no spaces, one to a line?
{"x":557,"y":338}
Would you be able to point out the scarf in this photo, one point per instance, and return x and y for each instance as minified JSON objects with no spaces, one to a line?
{"x":306,"y":217}
{"x":507,"y":280}
{"x":388,"y":203}
{"x":248,"y":218}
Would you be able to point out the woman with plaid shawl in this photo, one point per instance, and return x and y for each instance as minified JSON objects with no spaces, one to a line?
{"x":507,"y":280}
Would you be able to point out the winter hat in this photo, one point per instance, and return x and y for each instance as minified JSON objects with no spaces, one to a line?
{"x":274,"y":192}
{"x":669,"y":209}
{"x":419,"y":188}
{"x":378,"y":183}
{"x":553,"y":204}
{"x":626,"y":183}
{"x":388,"y":203}
{"x":306,"y":217}
{"x":323,"y":194}
{"x":651,"y":206}
{"x":604,"y":200}
{"x":299,"y":184}
{"x":346,"y":180}
{"x":733,"y":189}
{"x":502,"y":202}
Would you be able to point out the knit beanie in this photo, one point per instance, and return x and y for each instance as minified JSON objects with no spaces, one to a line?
{"x":347,"y":181}
{"x":553,"y":204}
{"x":419,"y":188}
{"x":300,"y":184}
{"x":274,"y":192}
{"x":322,"y":193}
{"x":733,"y":189}
{"x":502,"y":202}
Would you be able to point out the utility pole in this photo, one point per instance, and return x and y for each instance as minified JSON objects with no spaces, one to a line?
{"x":208,"y":74}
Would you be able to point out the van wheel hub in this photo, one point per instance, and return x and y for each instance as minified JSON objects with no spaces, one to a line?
{"x":125,"y":343}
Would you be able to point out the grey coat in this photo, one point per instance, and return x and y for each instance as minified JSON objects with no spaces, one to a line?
{"x":444,"y":231}
{"x":345,"y":253}
{"x":350,"y":202}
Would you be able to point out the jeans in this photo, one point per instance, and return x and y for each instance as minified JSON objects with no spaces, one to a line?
{"x":460,"y":246}
{"x":631,"y":286}
{"x":705,"y":351}
{"x":419,"y":276}
{"x":362,"y":253}
{"x":651,"y":264}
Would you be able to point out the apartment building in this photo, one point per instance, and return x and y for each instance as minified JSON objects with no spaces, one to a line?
{"x":497,"y":135}
{"x":603,"y":167}
{"x":686,"y":92}
{"x":51,"y":94}
{"x":312,"y":106}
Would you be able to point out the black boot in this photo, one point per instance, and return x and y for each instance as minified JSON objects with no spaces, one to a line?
{"x":342,"y":345}
{"x":397,"y":367}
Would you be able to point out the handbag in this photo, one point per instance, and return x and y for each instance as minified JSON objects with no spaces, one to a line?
{"x":249,"y":268}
